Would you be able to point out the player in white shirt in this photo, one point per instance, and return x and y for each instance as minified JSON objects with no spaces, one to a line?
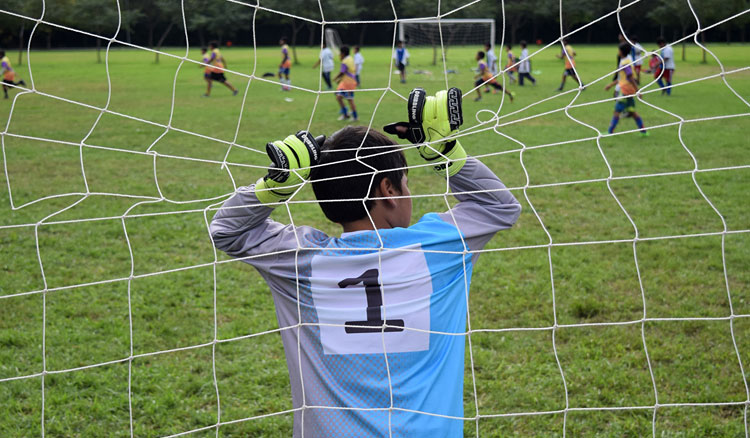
{"x":358,"y":61}
{"x":401,"y":57}
{"x":491,"y":59}
{"x":326,"y":58}
{"x":524,"y":68}
{"x":638,"y":53}
{"x":667,"y":54}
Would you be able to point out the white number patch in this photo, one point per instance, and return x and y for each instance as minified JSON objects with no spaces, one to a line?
{"x":360,"y":295}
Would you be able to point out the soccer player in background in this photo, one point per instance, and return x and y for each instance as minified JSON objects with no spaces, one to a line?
{"x":8,"y":74}
{"x":359,"y":61}
{"x":485,"y":77}
{"x":509,"y":64}
{"x":656,"y":66}
{"x":667,"y":54}
{"x":206,"y":69}
{"x":385,"y":289}
{"x":569,"y":55}
{"x":285,"y":65}
{"x":347,"y":81}
{"x":524,"y":68}
{"x":326,"y":57}
{"x":627,"y":89}
{"x":637,"y":52}
{"x":401,"y":58}
{"x":491,"y":62}
{"x":218,"y":63}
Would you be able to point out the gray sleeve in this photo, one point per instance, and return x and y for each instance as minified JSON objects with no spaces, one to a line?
{"x":242,"y":228}
{"x":485,"y":205}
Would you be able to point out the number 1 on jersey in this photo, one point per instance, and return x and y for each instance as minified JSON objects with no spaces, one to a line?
{"x":374,"y":295}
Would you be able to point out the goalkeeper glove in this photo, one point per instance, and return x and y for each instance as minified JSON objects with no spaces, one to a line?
{"x":291,"y":160}
{"x":431,"y":119}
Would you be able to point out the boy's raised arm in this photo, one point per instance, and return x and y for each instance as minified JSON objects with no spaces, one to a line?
{"x":242,"y":227}
{"x":485,"y":206}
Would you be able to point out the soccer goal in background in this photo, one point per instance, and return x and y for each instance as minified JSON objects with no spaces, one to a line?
{"x":444,"y":33}
{"x":333,"y":40}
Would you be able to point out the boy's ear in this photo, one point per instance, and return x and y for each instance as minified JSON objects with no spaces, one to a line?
{"x":387,"y":190}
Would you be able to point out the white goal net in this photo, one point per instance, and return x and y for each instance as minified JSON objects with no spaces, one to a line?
{"x":618,"y":305}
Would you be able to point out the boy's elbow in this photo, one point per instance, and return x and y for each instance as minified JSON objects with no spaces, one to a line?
{"x":516,"y":212}
{"x":220,"y":239}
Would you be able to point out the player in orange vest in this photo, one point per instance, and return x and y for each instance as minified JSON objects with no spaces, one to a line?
{"x":9,"y":75}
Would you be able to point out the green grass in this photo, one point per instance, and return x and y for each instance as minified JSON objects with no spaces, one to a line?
{"x":516,"y":371}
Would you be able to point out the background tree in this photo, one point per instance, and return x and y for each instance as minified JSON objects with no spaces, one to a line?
{"x":102,"y":19}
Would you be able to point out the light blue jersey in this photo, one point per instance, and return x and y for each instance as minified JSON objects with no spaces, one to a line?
{"x":383,"y":327}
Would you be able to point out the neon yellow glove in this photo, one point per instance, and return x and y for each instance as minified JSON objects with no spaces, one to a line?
{"x":291,"y":160}
{"x":432,"y":118}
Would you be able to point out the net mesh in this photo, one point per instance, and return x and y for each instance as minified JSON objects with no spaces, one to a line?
{"x":488,"y":121}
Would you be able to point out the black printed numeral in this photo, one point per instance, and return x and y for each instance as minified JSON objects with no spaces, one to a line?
{"x":374,"y":323}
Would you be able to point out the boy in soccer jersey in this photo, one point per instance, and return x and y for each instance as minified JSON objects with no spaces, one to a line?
{"x":285,"y":65}
{"x":359,"y":61}
{"x":667,"y":54}
{"x":485,"y":77}
{"x":326,"y":58}
{"x":509,"y":64}
{"x":524,"y":68}
{"x":627,"y":89}
{"x":207,"y":69}
{"x":8,"y":74}
{"x":637,"y":52}
{"x":347,"y":81}
{"x":216,"y":73}
{"x":491,"y":62}
{"x":569,"y":55}
{"x":378,"y":314}
{"x":655,"y":66}
{"x":401,"y":58}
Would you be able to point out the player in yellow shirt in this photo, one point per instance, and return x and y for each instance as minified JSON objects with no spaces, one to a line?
{"x":627,"y":88}
{"x":485,"y":77}
{"x":569,"y":55}
{"x":285,"y":66}
{"x":9,"y":75}
{"x":216,"y":71}
{"x":347,"y":80}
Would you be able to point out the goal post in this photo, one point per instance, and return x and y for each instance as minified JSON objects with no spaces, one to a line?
{"x":455,"y":32}
{"x":333,"y":40}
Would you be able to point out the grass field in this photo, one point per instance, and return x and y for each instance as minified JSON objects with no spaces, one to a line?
{"x":516,"y":371}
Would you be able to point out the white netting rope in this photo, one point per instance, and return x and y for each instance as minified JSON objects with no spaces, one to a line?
{"x":494,"y":123}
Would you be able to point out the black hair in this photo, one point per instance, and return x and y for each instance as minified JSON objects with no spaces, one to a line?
{"x":340,"y":176}
{"x":661,"y":40}
{"x":356,"y":48}
{"x":203,"y":49}
{"x":2,"y":53}
{"x":213,"y":44}
{"x":480,"y":54}
{"x":487,"y":45}
{"x":344,"y":50}
{"x":522,"y":43}
{"x":624,"y":48}
{"x":284,"y":39}
{"x":634,"y":38}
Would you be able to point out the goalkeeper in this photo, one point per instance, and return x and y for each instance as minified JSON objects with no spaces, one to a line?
{"x":377,"y":315}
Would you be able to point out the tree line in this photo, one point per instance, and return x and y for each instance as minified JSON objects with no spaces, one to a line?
{"x":159,"y":23}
